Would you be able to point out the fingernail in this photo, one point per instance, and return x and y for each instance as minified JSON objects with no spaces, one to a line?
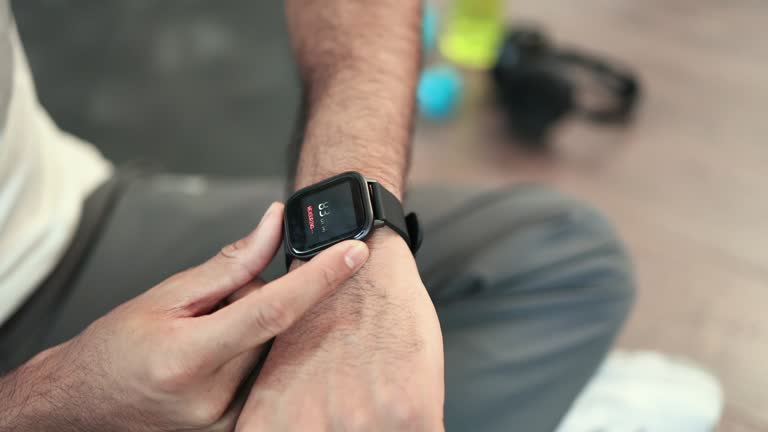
{"x":356,"y":255}
{"x":257,"y":231}
{"x":269,"y":211}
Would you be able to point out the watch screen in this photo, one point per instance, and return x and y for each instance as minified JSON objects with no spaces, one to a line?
{"x":325,"y":215}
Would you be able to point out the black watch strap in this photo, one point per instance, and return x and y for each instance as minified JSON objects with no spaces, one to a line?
{"x":389,"y":210}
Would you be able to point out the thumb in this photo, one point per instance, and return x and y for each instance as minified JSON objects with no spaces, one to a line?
{"x":267,"y":312}
{"x":200,"y":288}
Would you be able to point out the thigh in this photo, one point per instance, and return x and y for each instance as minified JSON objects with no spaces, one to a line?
{"x":159,"y":226}
{"x":531,"y":288}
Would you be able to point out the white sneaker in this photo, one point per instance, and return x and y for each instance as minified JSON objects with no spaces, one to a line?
{"x":646,"y":392}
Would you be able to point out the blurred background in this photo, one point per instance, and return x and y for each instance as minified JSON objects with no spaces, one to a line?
{"x":209,"y":87}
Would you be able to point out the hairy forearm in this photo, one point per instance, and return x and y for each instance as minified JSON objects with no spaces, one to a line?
{"x":23,"y":406}
{"x":359,"y":63}
{"x":14,"y":397}
{"x":41,"y":396}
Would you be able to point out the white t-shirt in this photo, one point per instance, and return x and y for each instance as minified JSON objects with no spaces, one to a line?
{"x":45,"y":176}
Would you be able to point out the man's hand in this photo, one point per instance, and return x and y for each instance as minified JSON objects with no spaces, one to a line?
{"x":369,"y":358}
{"x":173,"y":358}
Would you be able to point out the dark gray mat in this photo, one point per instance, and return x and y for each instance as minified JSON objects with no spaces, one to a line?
{"x":196,"y":85}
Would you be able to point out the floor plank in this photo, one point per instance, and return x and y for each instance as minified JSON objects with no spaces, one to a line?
{"x":686,"y":185}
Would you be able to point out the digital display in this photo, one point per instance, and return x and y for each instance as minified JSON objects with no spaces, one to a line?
{"x":322,"y":216}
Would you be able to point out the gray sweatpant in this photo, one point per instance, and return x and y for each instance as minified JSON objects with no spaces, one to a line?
{"x":531,"y":287}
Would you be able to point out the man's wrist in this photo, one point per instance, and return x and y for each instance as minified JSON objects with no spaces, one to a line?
{"x":394,"y":183}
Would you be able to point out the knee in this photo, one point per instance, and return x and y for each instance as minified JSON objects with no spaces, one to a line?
{"x":556,"y":243}
{"x":604,"y":259}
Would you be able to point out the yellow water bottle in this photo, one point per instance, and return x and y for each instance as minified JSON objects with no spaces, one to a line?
{"x":473,"y":32}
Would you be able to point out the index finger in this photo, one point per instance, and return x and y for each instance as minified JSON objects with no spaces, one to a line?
{"x":267,"y":312}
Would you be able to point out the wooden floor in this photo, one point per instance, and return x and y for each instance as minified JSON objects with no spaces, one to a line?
{"x":687,"y":185}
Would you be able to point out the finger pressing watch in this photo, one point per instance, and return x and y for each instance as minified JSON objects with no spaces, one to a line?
{"x":344,"y":207}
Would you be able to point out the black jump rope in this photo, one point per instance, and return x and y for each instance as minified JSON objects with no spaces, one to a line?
{"x":538,"y":86}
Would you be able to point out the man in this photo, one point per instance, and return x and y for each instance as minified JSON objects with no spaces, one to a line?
{"x":511,"y":303}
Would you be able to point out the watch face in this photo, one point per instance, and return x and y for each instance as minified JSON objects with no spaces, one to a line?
{"x":326,"y":213}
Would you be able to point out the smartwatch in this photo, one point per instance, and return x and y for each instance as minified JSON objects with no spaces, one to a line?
{"x":344,"y":207}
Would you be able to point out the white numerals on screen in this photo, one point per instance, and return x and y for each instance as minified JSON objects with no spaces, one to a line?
{"x":324,"y":210}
